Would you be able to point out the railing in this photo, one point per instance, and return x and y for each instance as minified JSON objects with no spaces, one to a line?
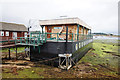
{"x":40,"y":38}
{"x":31,"y":40}
{"x":71,"y":37}
{"x":58,"y":36}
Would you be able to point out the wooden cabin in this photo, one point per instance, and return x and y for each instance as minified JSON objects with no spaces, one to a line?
{"x":75,"y":26}
{"x":8,"y":31}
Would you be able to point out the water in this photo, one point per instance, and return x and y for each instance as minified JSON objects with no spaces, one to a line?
{"x":105,"y":37}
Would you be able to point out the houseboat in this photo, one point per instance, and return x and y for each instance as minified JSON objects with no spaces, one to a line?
{"x":68,"y":38}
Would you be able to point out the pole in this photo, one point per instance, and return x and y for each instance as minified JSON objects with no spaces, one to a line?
{"x":66,"y":39}
{"x":83,"y":32}
{"x":25,"y":51}
{"x":16,"y":52}
{"x":9,"y":54}
{"x":28,"y":34}
{"x":42,"y":29}
{"x":77,"y":32}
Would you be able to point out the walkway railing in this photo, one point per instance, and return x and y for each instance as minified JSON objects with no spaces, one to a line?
{"x":38,"y":38}
{"x":35,"y":41}
{"x":71,"y":37}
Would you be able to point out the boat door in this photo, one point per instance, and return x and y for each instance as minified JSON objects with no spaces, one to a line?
{"x":49,"y":30}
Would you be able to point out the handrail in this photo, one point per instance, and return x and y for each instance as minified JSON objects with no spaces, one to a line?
{"x":43,"y":37}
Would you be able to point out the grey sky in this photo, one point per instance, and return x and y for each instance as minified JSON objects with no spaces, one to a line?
{"x":101,"y":15}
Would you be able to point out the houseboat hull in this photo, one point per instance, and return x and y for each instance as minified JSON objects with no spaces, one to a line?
{"x":50,"y":50}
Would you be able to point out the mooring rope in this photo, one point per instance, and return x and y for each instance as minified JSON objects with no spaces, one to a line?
{"x":48,"y":60}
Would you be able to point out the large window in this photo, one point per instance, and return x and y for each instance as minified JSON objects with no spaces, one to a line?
{"x":57,"y":27}
{"x":1,"y":33}
{"x":7,"y":33}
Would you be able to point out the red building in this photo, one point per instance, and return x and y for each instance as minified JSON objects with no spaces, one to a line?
{"x":8,"y":31}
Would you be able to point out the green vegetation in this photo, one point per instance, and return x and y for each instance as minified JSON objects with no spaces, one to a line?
{"x":104,"y":53}
{"x":19,"y":49}
{"x":23,"y":73}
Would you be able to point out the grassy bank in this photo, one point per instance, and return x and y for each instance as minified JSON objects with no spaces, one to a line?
{"x":104,"y":55}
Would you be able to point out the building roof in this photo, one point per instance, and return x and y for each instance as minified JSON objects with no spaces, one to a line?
{"x":74,"y":20}
{"x":12,"y":26}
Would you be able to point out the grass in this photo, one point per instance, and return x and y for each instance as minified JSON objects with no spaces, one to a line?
{"x":98,"y":57}
{"x":24,"y":73}
{"x":12,"y":50}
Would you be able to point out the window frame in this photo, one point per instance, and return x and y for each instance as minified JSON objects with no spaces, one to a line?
{"x":1,"y":33}
{"x":6,"y":33}
{"x":57,"y":27}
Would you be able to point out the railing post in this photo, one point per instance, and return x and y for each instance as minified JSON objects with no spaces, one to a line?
{"x":15,"y":41}
{"x":34,"y":41}
{"x":42,"y":38}
{"x":38,"y":40}
{"x":45,"y":37}
{"x":9,"y":53}
{"x":72,"y":37}
{"x":78,"y":32}
{"x":20,"y":40}
{"x":57,"y":37}
{"x":75,"y":36}
{"x":27,"y":41}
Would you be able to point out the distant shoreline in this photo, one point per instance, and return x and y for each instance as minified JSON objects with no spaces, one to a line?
{"x":107,"y":35}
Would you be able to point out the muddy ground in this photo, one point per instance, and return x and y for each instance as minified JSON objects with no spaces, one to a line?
{"x":100,"y":62}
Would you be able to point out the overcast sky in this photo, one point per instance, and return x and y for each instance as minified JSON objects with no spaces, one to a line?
{"x":101,"y":15}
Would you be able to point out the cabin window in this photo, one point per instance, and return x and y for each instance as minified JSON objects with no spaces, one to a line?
{"x":25,"y":34}
{"x":1,"y":33}
{"x":76,"y":46}
{"x":7,"y":33}
{"x":57,"y":27}
{"x":79,"y":45}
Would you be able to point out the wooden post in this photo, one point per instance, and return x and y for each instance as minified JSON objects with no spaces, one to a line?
{"x":42,"y":29}
{"x":66,"y":39}
{"x":25,"y":51}
{"x":57,"y":37}
{"x":16,"y":52}
{"x":72,"y":37}
{"x":77,"y":32}
{"x":83,"y":30}
{"x":66,"y":34}
{"x":83,"y":33}
{"x":9,"y":54}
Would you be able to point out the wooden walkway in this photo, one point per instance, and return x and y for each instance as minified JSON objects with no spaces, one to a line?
{"x":7,"y":46}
